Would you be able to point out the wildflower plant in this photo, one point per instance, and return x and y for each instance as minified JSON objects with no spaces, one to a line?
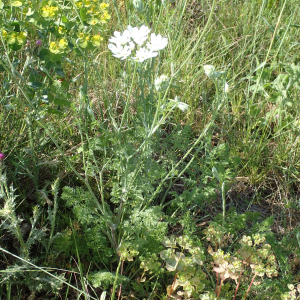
{"x":136,"y":44}
{"x":185,"y":265}
{"x":254,"y":253}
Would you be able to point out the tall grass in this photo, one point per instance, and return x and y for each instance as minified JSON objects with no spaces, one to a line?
{"x":96,"y":127}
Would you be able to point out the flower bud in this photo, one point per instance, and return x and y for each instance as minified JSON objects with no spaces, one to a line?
{"x":138,"y":5}
{"x":210,"y":71}
{"x":161,"y":83}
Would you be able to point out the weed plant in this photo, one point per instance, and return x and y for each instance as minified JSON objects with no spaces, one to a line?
{"x":130,"y":134}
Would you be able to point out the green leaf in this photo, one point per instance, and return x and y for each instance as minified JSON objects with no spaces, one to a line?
{"x":275,"y":97}
{"x":169,"y":242}
{"x":55,"y":57}
{"x":175,"y":262}
{"x":216,"y":174}
{"x":59,"y":71}
{"x":69,"y":25}
{"x":83,"y":14}
{"x":35,"y":18}
{"x":61,"y":101}
{"x":15,"y":47}
{"x":44,"y":55}
{"x":54,"y":111}
{"x":281,"y":82}
{"x":35,"y":85}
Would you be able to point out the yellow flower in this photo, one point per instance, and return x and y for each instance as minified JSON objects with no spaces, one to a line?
{"x":79,"y":4}
{"x":21,"y":39}
{"x":61,"y":30}
{"x":49,"y":11}
{"x":96,"y":40}
{"x":4,"y":33}
{"x":105,"y":16}
{"x":54,"y":48}
{"x":93,"y":21}
{"x":87,"y":3}
{"x":83,"y":39}
{"x":63,"y":44}
{"x":103,"y":6}
{"x":58,"y":47}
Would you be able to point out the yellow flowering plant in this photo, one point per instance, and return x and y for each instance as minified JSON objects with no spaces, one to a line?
{"x":48,"y":32}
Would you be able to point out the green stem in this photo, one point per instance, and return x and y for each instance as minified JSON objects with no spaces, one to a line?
{"x":223,"y":202}
{"x":115,"y":282}
{"x":128,"y":98}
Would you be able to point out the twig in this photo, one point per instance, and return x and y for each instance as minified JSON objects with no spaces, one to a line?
{"x":217,"y":285}
{"x":249,"y":287}
{"x":237,"y":286}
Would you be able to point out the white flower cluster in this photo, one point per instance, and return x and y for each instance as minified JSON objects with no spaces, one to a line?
{"x":136,"y":40}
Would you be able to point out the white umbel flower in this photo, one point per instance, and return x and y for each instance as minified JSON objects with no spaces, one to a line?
{"x":143,"y":54}
{"x":120,"y":39}
{"x":139,"y":35}
{"x":134,"y":42}
{"x":120,"y":51}
{"x":157,"y":42}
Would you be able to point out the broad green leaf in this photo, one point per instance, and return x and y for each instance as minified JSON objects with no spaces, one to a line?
{"x":54,"y":111}
{"x":169,"y":242}
{"x":61,"y":101}
{"x":35,"y":85}
{"x":44,"y":55}
{"x":83,"y":14}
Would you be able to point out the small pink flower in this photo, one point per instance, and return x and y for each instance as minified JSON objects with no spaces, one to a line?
{"x":39,"y":42}
{"x":277,"y":116}
{"x":2,"y":156}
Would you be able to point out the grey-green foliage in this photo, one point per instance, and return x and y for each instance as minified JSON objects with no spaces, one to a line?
{"x":34,"y":279}
{"x":138,"y":168}
{"x":19,"y":271}
{"x":12,"y":222}
{"x":82,"y":205}
{"x":104,"y":279}
{"x":199,"y":185}
{"x":90,"y":239}
{"x":146,"y":229}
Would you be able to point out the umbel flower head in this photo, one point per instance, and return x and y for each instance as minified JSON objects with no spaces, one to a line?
{"x":135,"y":43}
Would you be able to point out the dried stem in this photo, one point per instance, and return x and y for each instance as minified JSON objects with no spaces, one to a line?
{"x":249,"y":287}
{"x":217,"y":284}
{"x":220,"y":287}
{"x":171,"y":291}
{"x":237,"y":286}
